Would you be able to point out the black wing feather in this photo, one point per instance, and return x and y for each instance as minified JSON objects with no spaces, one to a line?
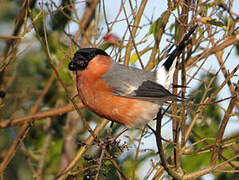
{"x":150,"y":89}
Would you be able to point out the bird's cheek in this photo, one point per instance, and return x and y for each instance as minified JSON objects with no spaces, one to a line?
{"x":97,"y":69}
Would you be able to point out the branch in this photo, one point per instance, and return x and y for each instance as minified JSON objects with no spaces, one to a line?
{"x":171,"y":171}
{"x":39,"y":116}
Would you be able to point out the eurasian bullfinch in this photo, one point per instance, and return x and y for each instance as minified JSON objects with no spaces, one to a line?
{"x":120,"y":93}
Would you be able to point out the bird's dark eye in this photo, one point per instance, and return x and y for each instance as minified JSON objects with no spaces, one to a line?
{"x":2,"y":94}
{"x":91,"y":55}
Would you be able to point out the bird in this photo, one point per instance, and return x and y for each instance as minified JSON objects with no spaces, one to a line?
{"x":124,"y":94}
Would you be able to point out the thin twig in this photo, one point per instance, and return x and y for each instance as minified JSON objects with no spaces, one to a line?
{"x":134,"y":30}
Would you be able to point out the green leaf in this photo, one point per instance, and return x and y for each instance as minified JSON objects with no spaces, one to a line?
{"x":154,"y":28}
{"x":191,"y":163}
{"x":212,"y":21}
{"x":169,"y":149}
{"x":105,"y":46}
{"x":134,"y":57}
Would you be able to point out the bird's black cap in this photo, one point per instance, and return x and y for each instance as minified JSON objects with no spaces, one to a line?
{"x":83,"y":56}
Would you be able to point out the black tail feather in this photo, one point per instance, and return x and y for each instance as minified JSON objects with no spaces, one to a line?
{"x":179,"y":48}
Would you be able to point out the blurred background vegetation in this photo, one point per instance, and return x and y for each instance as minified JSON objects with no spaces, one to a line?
{"x":42,"y":136}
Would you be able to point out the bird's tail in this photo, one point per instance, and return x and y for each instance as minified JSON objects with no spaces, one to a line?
{"x":168,"y":63}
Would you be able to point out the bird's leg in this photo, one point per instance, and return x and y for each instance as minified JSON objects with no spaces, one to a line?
{"x":109,"y":131}
{"x":112,"y":140}
{"x":109,"y":134}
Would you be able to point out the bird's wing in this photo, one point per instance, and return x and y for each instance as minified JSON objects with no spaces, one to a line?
{"x":132,"y":82}
{"x":150,"y":89}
